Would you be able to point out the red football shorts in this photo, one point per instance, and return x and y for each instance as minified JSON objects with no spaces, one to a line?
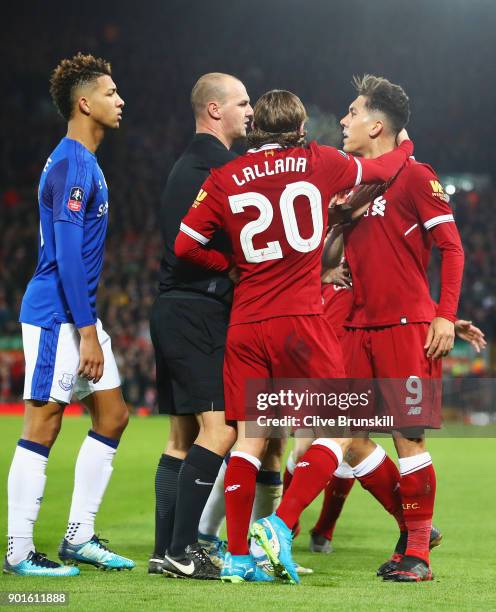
{"x":281,"y":347}
{"x":397,"y":352}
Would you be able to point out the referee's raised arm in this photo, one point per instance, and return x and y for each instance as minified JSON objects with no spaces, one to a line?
{"x":188,"y":328}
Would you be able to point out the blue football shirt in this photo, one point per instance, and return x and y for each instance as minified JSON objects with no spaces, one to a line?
{"x":72,"y":191}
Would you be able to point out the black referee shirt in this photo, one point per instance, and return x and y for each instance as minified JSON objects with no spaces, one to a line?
{"x":184,"y":182}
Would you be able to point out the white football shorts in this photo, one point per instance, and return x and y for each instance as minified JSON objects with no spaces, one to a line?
{"x":52,"y":363}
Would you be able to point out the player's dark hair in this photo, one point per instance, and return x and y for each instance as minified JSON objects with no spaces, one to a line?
{"x":386,"y":97}
{"x":277,"y":118}
{"x":71,"y":74}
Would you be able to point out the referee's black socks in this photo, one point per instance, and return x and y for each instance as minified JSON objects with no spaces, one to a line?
{"x":196,"y":479}
{"x":165,"y":501}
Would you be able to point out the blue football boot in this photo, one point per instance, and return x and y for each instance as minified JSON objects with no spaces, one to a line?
{"x":93,"y":552}
{"x":275,"y":537}
{"x":37,"y":564}
{"x":243,"y":568}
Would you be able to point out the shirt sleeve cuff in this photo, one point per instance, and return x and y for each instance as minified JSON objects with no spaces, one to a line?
{"x":446,"y":315}
{"x":80,"y":324}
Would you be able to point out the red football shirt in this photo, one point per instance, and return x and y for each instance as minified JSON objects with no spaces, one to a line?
{"x":272,"y":203}
{"x":388,"y":252}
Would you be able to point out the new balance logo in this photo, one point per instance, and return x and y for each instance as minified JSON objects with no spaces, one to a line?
{"x":302,"y":464}
{"x":414,"y":411}
{"x":232,"y":488}
{"x":200,"y":482}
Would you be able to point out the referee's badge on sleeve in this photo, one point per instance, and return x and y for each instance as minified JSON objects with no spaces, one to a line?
{"x":75,"y":199}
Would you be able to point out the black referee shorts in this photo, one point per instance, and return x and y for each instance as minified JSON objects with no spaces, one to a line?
{"x":189,"y":336}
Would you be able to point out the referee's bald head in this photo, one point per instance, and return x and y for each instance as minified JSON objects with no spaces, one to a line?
{"x":211,"y":87}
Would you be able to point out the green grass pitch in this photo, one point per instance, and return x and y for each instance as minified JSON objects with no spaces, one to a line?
{"x":464,"y":566}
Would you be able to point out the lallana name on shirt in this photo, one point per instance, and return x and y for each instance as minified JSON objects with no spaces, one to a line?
{"x":268,"y":168}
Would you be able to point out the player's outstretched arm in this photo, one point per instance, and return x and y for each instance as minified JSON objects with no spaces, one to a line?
{"x":344,"y":210}
{"x":387,"y":166}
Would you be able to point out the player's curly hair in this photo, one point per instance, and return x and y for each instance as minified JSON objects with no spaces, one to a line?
{"x":72,"y":73}
{"x":277,"y":118}
{"x":384,"y":96}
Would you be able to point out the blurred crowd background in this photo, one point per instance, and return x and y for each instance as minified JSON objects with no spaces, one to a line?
{"x":158,"y":50}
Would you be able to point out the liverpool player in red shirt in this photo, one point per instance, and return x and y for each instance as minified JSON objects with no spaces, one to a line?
{"x":272,"y":203}
{"x":395,"y":330}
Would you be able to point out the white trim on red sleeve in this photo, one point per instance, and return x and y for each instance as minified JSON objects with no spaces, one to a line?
{"x":359,"y":171}
{"x":410,"y":229}
{"x":193,"y":234}
{"x":437,"y":220}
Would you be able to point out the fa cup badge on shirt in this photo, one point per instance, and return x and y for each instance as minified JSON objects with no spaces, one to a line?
{"x":75,"y":199}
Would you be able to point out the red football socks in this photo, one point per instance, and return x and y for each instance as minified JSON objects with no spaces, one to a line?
{"x":335,"y":495}
{"x":286,"y":481}
{"x":239,"y":492}
{"x":384,"y":484}
{"x":418,"y":491}
{"x":313,"y":471}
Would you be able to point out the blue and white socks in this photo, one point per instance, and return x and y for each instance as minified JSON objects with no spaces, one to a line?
{"x":26,"y":485}
{"x":92,"y":475}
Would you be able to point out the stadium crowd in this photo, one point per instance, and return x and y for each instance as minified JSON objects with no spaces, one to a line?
{"x":157,"y":124}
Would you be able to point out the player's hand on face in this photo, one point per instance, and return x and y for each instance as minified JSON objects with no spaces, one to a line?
{"x":470,"y":333}
{"x":339,"y":276}
{"x":402,"y":136}
{"x":440,"y":338}
{"x":90,"y":355}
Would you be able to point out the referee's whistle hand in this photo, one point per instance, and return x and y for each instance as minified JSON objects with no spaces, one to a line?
{"x":90,"y":356}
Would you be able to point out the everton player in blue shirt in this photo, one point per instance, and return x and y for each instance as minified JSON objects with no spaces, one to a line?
{"x":66,"y":349}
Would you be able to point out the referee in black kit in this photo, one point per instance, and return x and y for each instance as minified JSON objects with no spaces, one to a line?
{"x":188,"y":328}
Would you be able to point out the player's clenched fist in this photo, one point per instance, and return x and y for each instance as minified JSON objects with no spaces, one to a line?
{"x":440,"y":338}
{"x":90,"y":355}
